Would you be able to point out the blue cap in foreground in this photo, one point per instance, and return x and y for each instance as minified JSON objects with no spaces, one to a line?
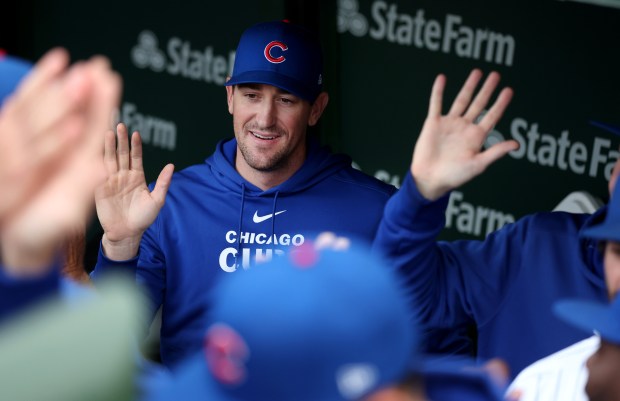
{"x":592,"y":316}
{"x":310,"y":325}
{"x":609,"y":229}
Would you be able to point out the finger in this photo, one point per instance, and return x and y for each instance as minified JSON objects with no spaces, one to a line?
{"x":91,"y":146}
{"x":615,"y":172}
{"x":109,"y":152}
{"x":324,"y":240}
{"x":434,"y":107}
{"x":497,"y":110}
{"x":162,"y":184}
{"x":483,"y":96}
{"x":495,"y":152}
{"x":341,"y":244}
{"x":105,"y":96}
{"x":465,"y":94}
{"x":102,"y":103}
{"x":58,"y":142}
{"x":101,"y":62}
{"x":136,"y":152}
{"x":56,"y":101}
{"x":122,"y":147}
{"x":48,"y":67}
{"x":329,"y":240}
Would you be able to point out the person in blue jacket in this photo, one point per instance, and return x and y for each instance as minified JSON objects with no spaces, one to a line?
{"x":505,"y":284}
{"x":262,"y":192}
{"x":52,"y":119}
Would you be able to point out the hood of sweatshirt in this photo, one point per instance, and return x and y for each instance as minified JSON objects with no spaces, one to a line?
{"x":319,"y":163}
{"x":590,"y":249}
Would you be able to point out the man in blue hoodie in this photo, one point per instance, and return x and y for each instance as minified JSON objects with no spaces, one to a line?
{"x":266,"y":190}
{"x":506,"y":284}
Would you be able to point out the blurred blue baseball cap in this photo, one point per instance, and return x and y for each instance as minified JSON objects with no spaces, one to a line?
{"x":12,"y":70}
{"x":592,"y":316}
{"x":454,"y":378}
{"x":281,"y":54}
{"x":310,"y":325}
{"x":609,"y":228}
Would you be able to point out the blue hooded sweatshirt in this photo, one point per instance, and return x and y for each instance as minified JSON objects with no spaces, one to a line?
{"x":214,"y":222}
{"x":504,"y":285}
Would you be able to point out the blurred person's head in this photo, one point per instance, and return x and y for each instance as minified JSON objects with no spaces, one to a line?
{"x":310,"y":325}
{"x":608,"y":234}
{"x":604,"y":365}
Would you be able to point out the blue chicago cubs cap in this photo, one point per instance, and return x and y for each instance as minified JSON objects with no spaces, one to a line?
{"x":281,"y":54}
{"x":592,"y":316}
{"x":12,"y":70}
{"x":609,"y":229}
{"x":309,"y":325}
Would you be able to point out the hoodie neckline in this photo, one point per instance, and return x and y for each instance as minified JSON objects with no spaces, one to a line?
{"x":320,"y":162}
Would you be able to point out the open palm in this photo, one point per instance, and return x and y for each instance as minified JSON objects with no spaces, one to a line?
{"x":448,"y":152}
{"x":125,"y":206}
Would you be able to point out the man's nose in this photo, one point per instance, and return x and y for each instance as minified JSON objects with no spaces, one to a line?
{"x":266,"y":114}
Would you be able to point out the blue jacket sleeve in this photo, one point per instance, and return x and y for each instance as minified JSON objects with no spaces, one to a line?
{"x":17,"y":294}
{"x":452,"y":284}
{"x":151,"y":267}
{"x":148,"y":268}
{"x":106,"y":266}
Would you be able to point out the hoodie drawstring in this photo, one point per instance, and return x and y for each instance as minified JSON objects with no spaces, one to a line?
{"x":273,"y":213}
{"x":238,"y":255}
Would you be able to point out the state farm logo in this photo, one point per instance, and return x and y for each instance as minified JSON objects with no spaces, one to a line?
{"x":349,"y":18}
{"x":594,"y":158}
{"x":155,"y":131}
{"x":448,"y":34}
{"x":146,"y":53}
{"x":181,"y":59}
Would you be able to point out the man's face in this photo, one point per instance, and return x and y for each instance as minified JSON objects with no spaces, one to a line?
{"x":270,"y":127}
{"x":604,"y":373}
{"x":611,"y":260}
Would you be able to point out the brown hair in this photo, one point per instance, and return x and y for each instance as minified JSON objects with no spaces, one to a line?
{"x":73,"y":249}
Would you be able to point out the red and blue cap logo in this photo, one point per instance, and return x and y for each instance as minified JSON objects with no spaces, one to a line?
{"x":281,"y":54}
{"x":270,"y":46}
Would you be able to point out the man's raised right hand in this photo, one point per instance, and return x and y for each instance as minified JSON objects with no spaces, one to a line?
{"x":125,"y":206}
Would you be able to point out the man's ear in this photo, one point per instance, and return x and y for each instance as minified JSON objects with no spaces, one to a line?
{"x":229,"y":96}
{"x":317,"y":108}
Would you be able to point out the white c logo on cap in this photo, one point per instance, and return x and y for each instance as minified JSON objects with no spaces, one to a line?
{"x":271,"y":45}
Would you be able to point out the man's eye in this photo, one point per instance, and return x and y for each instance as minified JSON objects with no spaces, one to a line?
{"x":251,"y":95}
{"x":286,"y":100}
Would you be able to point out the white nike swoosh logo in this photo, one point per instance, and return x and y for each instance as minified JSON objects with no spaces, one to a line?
{"x":260,"y":219}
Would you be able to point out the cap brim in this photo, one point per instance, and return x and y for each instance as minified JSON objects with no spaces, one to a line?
{"x":454,"y":377}
{"x":604,"y":231}
{"x":590,"y":316}
{"x":447,"y":383}
{"x":275,"y":79}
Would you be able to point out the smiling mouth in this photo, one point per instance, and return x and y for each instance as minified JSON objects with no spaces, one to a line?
{"x":259,"y":136}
